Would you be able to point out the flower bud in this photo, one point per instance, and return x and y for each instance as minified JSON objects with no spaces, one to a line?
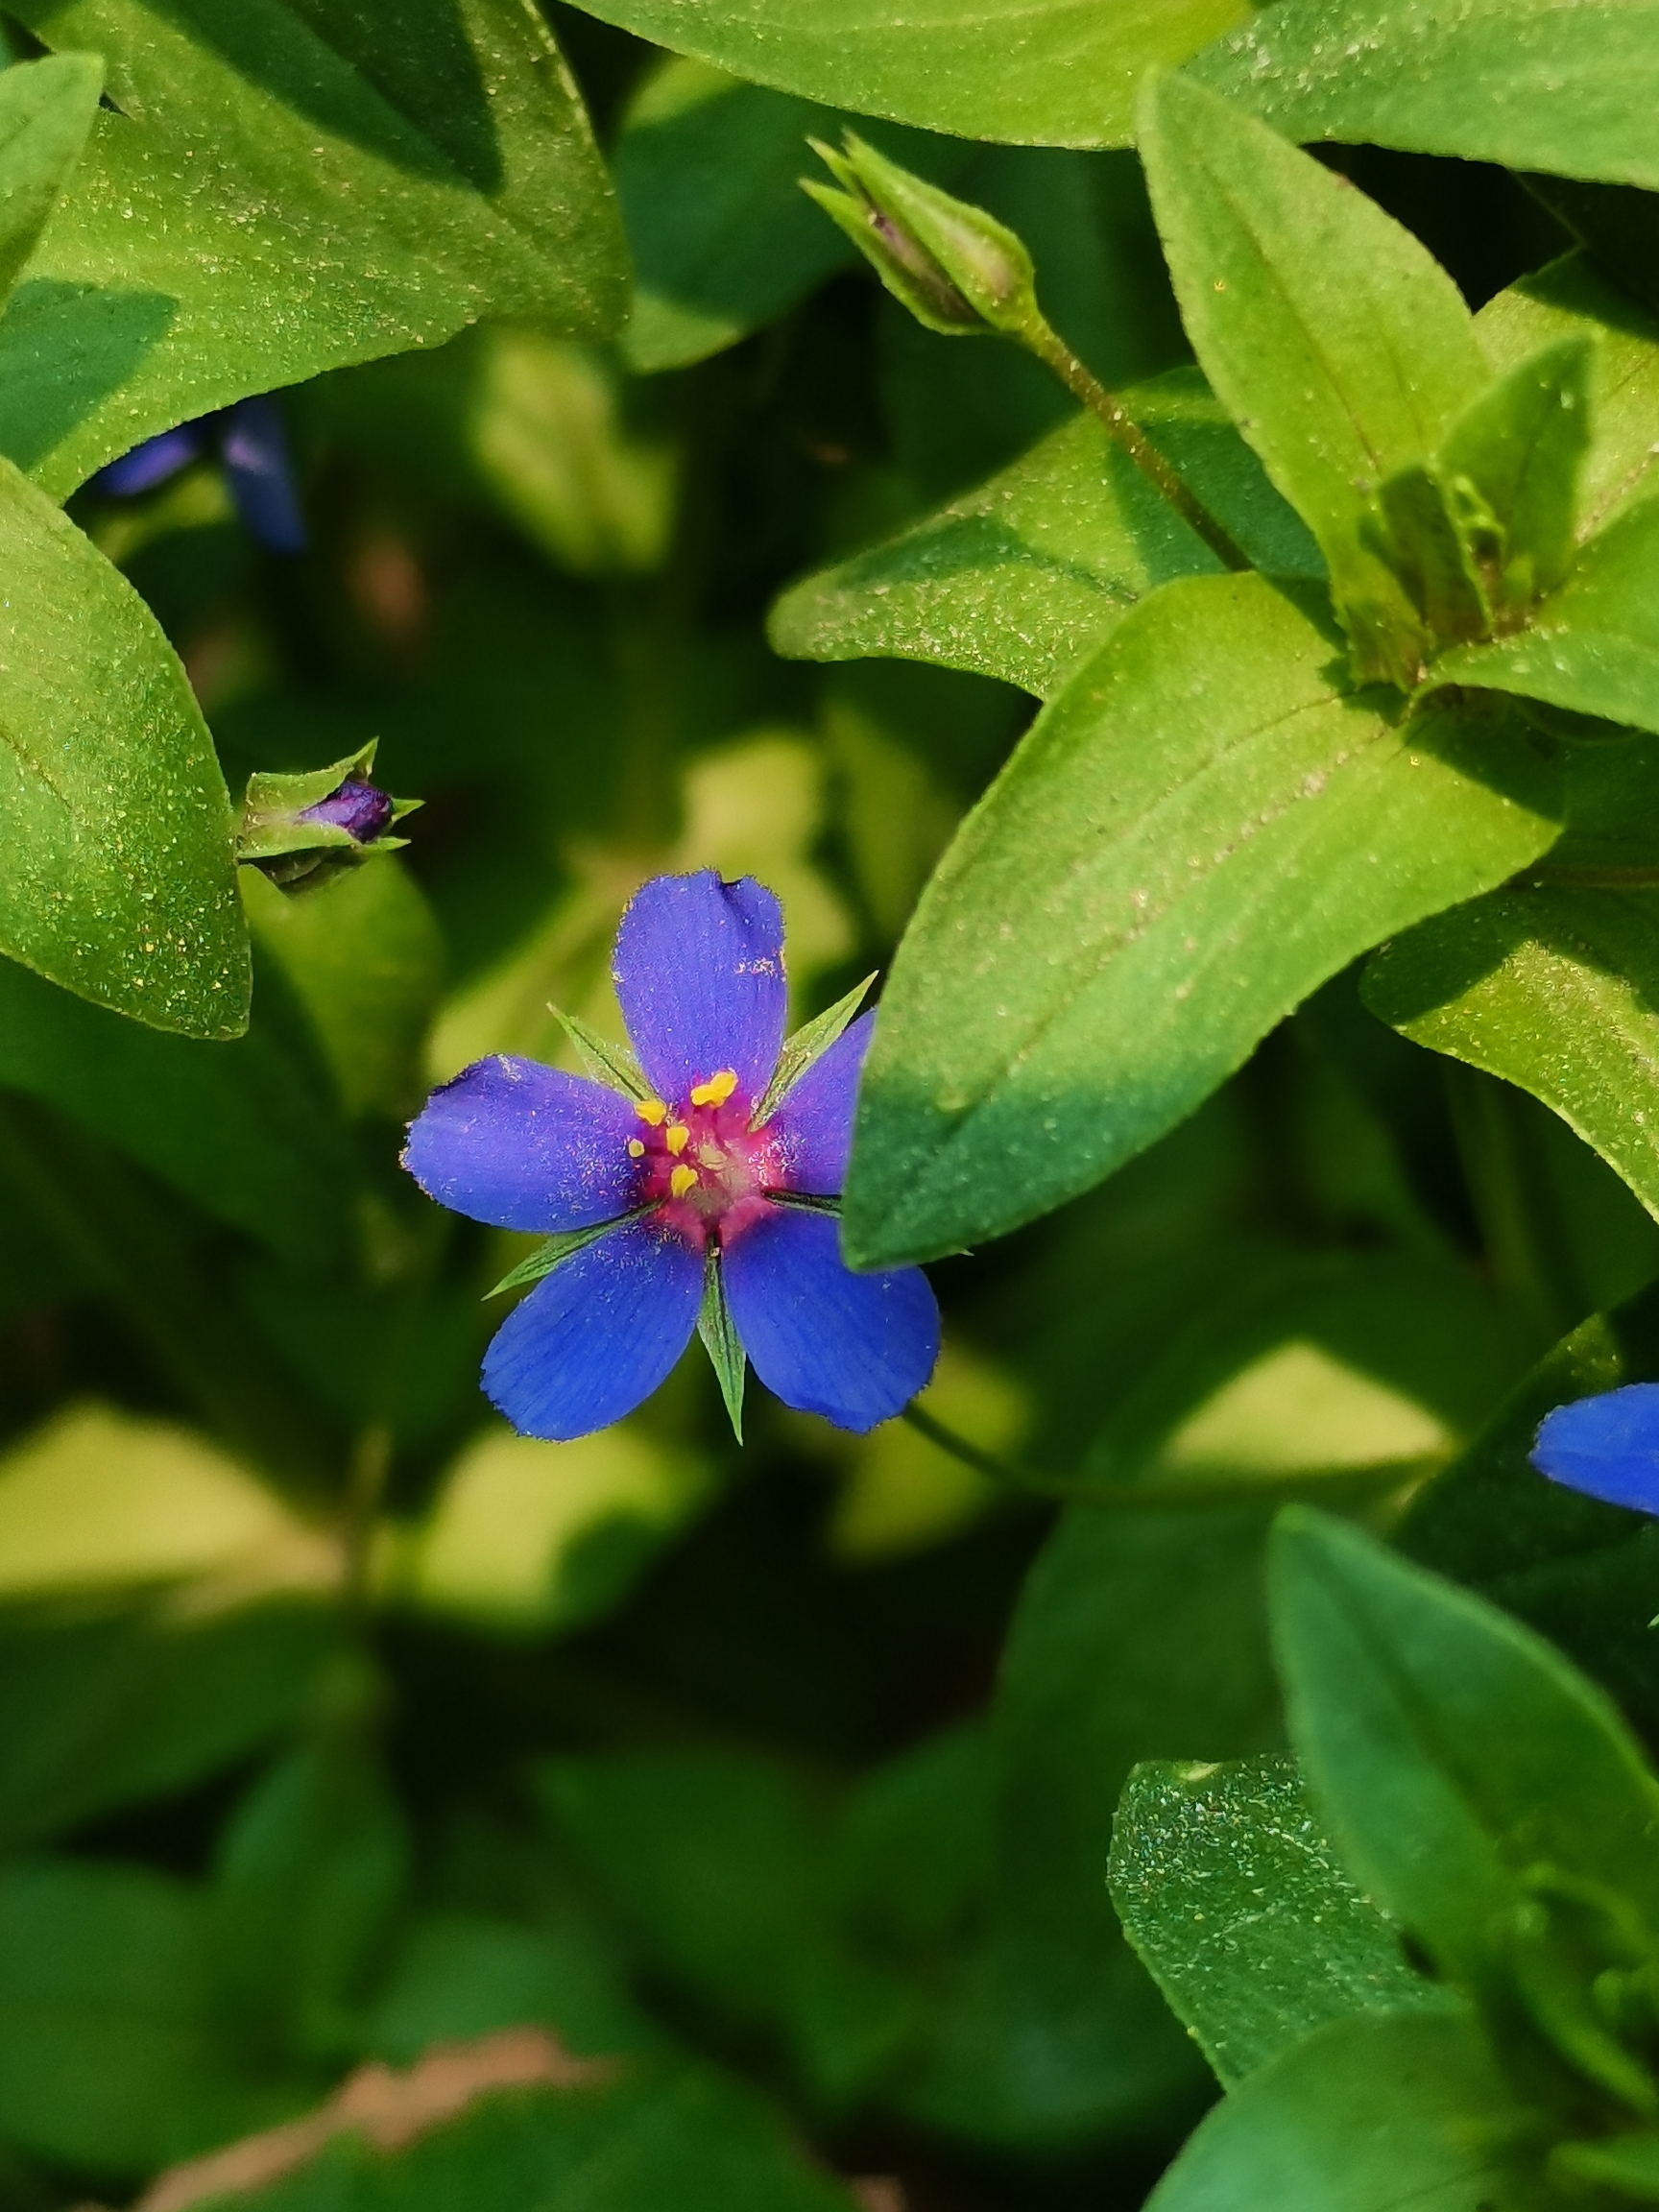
{"x":301,"y":830}
{"x":956,"y":268}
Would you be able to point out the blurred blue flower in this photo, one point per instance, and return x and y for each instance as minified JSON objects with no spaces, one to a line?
{"x":679,"y":1183}
{"x":1606,"y":1446}
{"x":250,"y":441}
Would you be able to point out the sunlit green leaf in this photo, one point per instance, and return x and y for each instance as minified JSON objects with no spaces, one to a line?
{"x":1553,"y":988}
{"x":120,"y":883}
{"x":1201,"y":829}
{"x":1025,"y":576}
{"x":280,"y":188}
{"x":1341,"y":348}
{"x":1046,"y":75}
{"x":1526,"y":83}
{"x":46,"y":110}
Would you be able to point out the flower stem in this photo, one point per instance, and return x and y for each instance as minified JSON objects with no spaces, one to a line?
{"x":1053,"y":350}
{"x":1169,"y":1496}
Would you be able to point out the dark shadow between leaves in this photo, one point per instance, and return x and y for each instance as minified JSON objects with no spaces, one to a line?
{"x":64,"y":349}
{"x":417,"y":99}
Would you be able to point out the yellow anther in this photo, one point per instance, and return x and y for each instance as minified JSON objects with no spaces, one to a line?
{"x":651,"y":1110}
{"x":636,"y":1148}
{"x":676,"y":1137}
{"x":681,"y":1180}
{"x":717,"y":1090}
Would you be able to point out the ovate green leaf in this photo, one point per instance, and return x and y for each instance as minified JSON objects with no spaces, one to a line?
{"x":1234,"y":1896}
{"x":1199,"y":830}
{"x":1553,"y":988}
{"x":1450,"y":1748}
{"x":1338,"y":345}
{"x":287,"y":185}
{"x":120,"y":883}
{"x":1023,"y":577}
{"x":1392,"y":2114}
{"x":1526,"y":82}
{"x":1036,"y":72}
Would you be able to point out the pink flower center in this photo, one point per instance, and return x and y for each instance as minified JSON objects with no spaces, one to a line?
{"x":702,"y":1165}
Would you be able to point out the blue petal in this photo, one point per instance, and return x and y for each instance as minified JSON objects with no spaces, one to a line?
{"x":255,"y":454}
{"x":150,"y":464}
{"x":523,"y":1146}
{"x":814,"y":1121}
{"x":1607,"y":1447}
{"x":699,"y":969}
{"x":856,"y":1348}
{"x":598,"y":1334}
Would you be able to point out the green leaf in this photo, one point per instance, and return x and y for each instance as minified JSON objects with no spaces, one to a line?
{"x":1243,"y":1913}
{"x":1130,"y":1635}
{"x":1526,"y":83}
{"x":1198,"y":831}
{"x":235,"y":1127}
{"x":107,"y":1708}
{"x":1629,"y":2165}
{"x":121,"y":884}
{"x":110,"y":2058}
{"x":1337,"y":344}
{"x":1034,"y":72}
{"x":1592,"y":646}
{"x":1025,"y":576}
{"x":1451,"y":1749}
{"x":363,"y":957}
{"x":310,"y":1873}
{"x":1553,"y":989}
{"x":721,"y":1341}
{"x":1520,"y":448}
{"x":283,"y":188}
{"x":1392,"y":2114}
{"x":707,"y":173}
{"x":809,"y":1043}
{"x":46,"y":110}
{"x":1571,"y":299}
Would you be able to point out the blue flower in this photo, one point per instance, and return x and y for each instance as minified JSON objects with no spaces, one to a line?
{"x":1607,"y":1446}
{"x":680,"y":1187}
{"x":250,"y":441}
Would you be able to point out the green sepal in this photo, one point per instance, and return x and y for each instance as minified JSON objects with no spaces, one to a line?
{"x":553,"y":1251}
{"x":612,"y":1065}
{"x":271,"y":837}
{"x":956,"y":268}
{"x":803,"y":1202}
{"x":720,"y":1339}
{"x":808,"y":1043}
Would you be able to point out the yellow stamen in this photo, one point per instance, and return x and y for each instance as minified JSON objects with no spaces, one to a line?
{"x":636,"y":1150}
{"x":717,"y":1090}
{"x":651,"y":1110}
{"x":681,"y":1180}
{"x":676,"y":1137}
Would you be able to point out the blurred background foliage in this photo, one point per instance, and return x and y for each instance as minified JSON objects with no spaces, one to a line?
{"x":335,"y":1719}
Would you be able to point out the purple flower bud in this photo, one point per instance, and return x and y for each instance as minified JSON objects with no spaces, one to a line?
{"x":359,"y":808}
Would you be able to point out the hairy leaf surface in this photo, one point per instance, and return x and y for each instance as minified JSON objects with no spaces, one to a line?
{"x":286,"y":186}
{"x":1034,"y":72}
{"x":1527,"y":83}
{"x":1200,"y":828}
